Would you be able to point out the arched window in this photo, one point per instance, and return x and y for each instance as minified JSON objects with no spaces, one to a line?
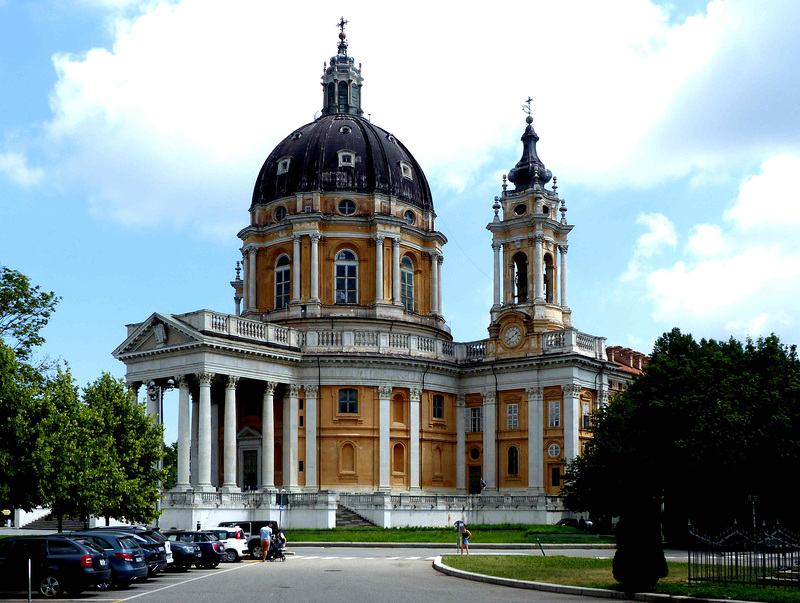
{"x":520,"y":277}
{"x":549,"y":274}
{"x":331,"y":96}
{"x":346,"y":277}
{"x":347,"y":462}
{"x":342,"y":96}
{"x":407,"y":283}
{"x":513,"y":461}
{"x":348,"y":401}
{"x":398,"y":459}
{"x":282,"y":282}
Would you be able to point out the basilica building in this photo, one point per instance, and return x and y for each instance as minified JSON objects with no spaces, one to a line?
{"x":337,"y":380}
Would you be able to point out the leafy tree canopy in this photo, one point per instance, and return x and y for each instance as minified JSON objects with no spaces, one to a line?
{"x":24,"y":311}
{"x":709,"y":426}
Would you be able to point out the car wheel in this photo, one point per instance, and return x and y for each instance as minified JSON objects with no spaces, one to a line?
{"x":255,"y":551}
{"x":105,"y":585}
{"x":122,"y":583}
{"x":184,"y":567}
{"x":231,"y":556}
{"x":213,"y":564}
{"x":50,"y":586}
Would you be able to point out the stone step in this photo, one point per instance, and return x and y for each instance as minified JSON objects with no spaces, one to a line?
{"x":50,"y":522}
{"x":347,"y":518}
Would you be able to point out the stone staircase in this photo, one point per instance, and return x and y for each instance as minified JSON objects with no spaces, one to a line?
{"x":50,"y":522}
{"x":347,"y":518}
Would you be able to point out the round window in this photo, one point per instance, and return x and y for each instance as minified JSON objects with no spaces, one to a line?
{"x":520,"y":209}
{"x":474,"y":454}
{"x":554,"y":450}
{"x":280,"y":213}
{"x":410,"y":217}
{"x":347,"y":207}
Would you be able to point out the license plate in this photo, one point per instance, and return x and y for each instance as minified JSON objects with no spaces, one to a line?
{"x":137,"y":559}
{"x":102,"y":562}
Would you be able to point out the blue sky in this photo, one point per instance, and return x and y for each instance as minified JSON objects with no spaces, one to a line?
{"x":131,"y":134}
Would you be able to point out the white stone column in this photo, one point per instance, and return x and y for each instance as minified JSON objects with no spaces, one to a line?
{"x":204,"y":433}
{"x":229,"y":437}
{"x":535,"y":439}
{"x":434,"y":283}
{"x":439,"y":297}
{"x":461,"y":443}
{"x":489,"y":443}
{"x":413,"y":444}
{"x":184,"y":433}
{"x":290,"y":437}
{"x":563,"y":274}
{"x":384,"y":452}
{"x":311,"y":435}
{"x":252,"y":303}
{"x":296,"y":269}
{"x":496,"y":247}
{"x":314,"y":268}
{"x":572,"y":418}
{"x":194,"y":465}
{"x":379,"y":267}
{"x":245,"y":279}
{"x":268,"y":438}
{"x":538,"y":277}
{"x":396,"y":299}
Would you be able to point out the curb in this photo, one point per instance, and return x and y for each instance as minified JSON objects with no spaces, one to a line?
{"x":489,"y":546}
{"x":569,"y":590}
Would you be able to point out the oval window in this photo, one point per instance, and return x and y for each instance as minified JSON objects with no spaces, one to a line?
{"x":474,"y":454}
{"x":347,"y":207}
{"x":520,"y":209}
{"x":280,"y":213}
{"x":410,"y":217}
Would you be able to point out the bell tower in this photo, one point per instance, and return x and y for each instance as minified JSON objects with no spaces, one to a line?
{"x":530,"y":245}
{"x":342,"y":81}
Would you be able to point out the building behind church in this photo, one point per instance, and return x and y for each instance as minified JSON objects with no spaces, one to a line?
{"x":337,"y":380}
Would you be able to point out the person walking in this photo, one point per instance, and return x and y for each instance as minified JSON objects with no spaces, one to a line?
{"x":266,"y":541}
{"x":465,"y":536}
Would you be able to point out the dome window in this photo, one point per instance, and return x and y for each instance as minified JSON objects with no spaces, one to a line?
{"x":410,"y":217}
{"x":282,"y":281}
{"x":407,"y":283}
{"x":405,"y":168}
{"x":347,"y":207}
{"x":346,"y":282}
{"x":391,"y":138}
{"x":297,"y":135}
{"x":345,"y":129}
{"x":280,"y":213}
{"x":283,"y":165}
{"x":520,"y":209}
{"x":347,"y":158}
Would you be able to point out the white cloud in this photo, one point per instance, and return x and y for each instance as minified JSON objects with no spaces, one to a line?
{"x":707,"y":240}
{"x":770,"y":198}
{"x":15,"y":166}
{"x":660,"y":235}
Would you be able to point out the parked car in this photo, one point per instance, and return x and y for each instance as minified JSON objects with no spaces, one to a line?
{"x":155,"y":548}
{"x":252,"y":531}
{"x":125,"y":556}
{"x":211,"y":549}
{"x":233,"y":539}
{"x":58,"y":565}
{"x":184,"y":555}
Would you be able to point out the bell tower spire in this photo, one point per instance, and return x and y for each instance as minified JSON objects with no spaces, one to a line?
{"x":341,"y":81}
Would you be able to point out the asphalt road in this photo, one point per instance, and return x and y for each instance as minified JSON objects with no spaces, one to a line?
{"x":332,"y":575}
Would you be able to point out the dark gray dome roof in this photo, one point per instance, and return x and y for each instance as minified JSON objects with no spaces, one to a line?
{"x":380,"y":163}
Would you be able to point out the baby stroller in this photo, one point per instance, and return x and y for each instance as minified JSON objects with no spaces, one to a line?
{"x":277,"y":550}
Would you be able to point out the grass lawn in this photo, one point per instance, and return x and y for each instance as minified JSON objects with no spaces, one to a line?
{"x":502,"y":534}
{"x":597,"y":573}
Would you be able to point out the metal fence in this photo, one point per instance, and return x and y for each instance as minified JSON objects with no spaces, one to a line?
{"x":764,"y":557}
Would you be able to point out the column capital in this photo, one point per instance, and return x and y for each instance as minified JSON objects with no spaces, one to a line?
{"x":311,"y":390}
{"x":297,"y":237}
{"x":269,"y":387}
{"x":380,"y":238}
{"x":181,"y":381}
{"x":563,"y":248}
{"x":497,"y":246}
{"x":538,"y":238}
{"x":384,"y":391}
{"x":535,"y":394}
{"x":231,"y":382}
{"x":204,"y":378}
{"x":461,"y":400}
{"x":415,"y":394}
{"x":315,"y":237}
{"x":294,"y":389}
{"x":396,"y":242}
{"x":489,"y":397}
{"x":571,"y":390}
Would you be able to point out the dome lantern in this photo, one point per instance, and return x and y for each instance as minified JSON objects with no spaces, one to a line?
{"x":341,"y":81}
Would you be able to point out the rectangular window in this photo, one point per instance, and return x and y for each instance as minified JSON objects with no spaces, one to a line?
{"x":555,"y":476}
{"x":348,"y":401}
{"x":438,"y":407}
{"x":555,"y":413}
{"x":346,"y":284}
{"x":301,"y":467}
{"x":587,"y":418}
{"x":474,"y":422}
{"x":513,"y":416}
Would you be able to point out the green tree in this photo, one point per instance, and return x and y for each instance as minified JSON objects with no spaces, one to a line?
{"x":24,"y":311}
{"x":708,"y":424}
{"x":128,"y":444}
{"x":170,"y":464}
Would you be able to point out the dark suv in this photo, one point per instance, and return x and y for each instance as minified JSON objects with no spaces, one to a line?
{"x":211,"y":549}
{"x":252,"y":531}
{"x":151,"y":542}
{"x":58,"y":565}
{"x":125,"y":557}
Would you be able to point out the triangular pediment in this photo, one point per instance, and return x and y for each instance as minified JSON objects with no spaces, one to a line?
{"x":158,"y":332}
{"x":248,"y":433}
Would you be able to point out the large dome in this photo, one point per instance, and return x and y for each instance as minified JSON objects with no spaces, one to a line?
{"x":344,"y":153}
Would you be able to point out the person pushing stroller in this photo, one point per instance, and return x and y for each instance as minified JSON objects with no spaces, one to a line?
{"x":277,"y":545}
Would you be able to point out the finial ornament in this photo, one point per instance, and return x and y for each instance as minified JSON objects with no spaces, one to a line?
{"x":238,"y":270}
{"x":526,"y":108}
{"x":342,"y":22}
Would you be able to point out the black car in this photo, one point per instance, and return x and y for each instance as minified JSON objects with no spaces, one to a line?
{"x":184,"y":555}
{"x":211,"y":549}
{"x":58,"y":565}
{"x":125,"y":556}
{"x":153,"y":546}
